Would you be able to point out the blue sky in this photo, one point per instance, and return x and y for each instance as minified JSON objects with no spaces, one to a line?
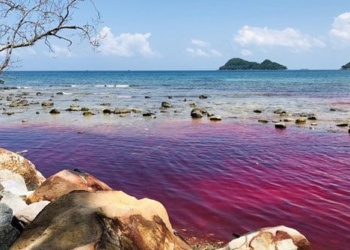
{"x":203,"y":35}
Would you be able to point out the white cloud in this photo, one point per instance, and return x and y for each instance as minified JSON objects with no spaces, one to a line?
{"x":200,"y":43}
{"x":265,"y":37}
{"x":202,"y":49}
{"x":341,"y":27}
{"x":126,"y":44}
{"x":246,"y":52}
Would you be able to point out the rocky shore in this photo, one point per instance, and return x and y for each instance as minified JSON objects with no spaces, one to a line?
{"x":32,"y":107}
{"x":74,"y":210}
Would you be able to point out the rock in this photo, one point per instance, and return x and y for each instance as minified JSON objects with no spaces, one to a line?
{"x":47,"y":104}
{"x":119,"y":111}
{"x":274,"y":238}
{"x":279,"y":111}
{"x":312,"y":118}
{"x":28,"y":214}
{"x":193,"y":105}
{"x":88,"y":113}
{"x":300,"y":121}
{"x":288,"y":119}
{"x":147,"y":97}
{"x":39,"y":94}
{"x":74,"y":108}
{"x":107,"y":111}
{"x":85,"y":109}
{"x":64,"y":182}
{"x":13,"y":183}
{"x":105,"y":104}
{"x":136,"y":111}
{"x":263,"y":121}
{"x":12,"y":200}
{"x":280,"y":125}
{"x":342,"y":125}
{"x":18,"y":164}
{"x":59,"y":93}
{"x":198,"y":113}
{"x":258,"y":111}
{"x":166,"y":105}
{"x":148,"y":114}
{"x":55,"y":111}
{"x":8,"y":233}
{"x":203,"y":97}
{"x":101,"y":220}
{"x":215,"y":118}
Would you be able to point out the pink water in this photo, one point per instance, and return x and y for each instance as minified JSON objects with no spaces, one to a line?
{"x":215,"y":179}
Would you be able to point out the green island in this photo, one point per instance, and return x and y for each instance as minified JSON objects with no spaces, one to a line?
{"x":346,"y":66}
{"x":240,"y":64}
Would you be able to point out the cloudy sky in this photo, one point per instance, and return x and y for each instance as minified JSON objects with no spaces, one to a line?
{"x":203,"y":35}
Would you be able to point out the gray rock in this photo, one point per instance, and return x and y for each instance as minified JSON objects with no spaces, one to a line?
{"x":197,"y":113}
{"x":47,"y":104}
{"x":215,"y":118}
{"x":119,"y":111}
{"x":8,"y":234}
{"x":55,"y":111}
{"x":166,"y":105}
{"x":280,"y":125}
{"x":12,"y":200}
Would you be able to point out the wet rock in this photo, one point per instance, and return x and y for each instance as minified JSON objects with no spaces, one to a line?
{"x":279,"y":111}
{"x":197,"y":113}
{"x":148,"y":114}
{"x":263,"y":121}
{"x":8,"y":113}
{"x":278,"y":238}
{"x":166,"y":105}
{"x":192,"y":105}
{"x":342,"y":125}
{"x":85,"y":109}
{"x":107,"y":111}
{"x":18,"y":164}
{"x":65,"y":182}
{"x":55,"y":111}
{"x":75,"y":100}
{"x":312,"y":118}
{"x":147,"y":97}
{"x":215,"y":118}
{"x":8,"y":233}
{"x":335,"y":109}
{"x":136,"y":111}
{"x":88,"y":113}
{"x":119,"y":111}
{"x":300,"y":121}
{"x":39,"y":94}
{"x":258,"y":111}
{"x":288,"y":119}
{"x":59,"y":93}
{"x":280,"y":125}
{"x":47,"y":104}
{"x":105,"y":104}
{"x":203,"y":97}
{"x":101,"y":220}
{"x":74,"y":108}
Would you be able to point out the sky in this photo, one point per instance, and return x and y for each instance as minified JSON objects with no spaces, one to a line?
{"x":203,"y":35}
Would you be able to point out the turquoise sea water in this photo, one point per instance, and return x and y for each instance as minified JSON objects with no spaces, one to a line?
{"x":214,"y":178}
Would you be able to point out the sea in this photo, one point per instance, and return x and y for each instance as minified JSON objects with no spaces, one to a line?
{"x":217,"y":179}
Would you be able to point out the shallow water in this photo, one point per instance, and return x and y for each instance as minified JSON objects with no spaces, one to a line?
{"x":214,"y":178}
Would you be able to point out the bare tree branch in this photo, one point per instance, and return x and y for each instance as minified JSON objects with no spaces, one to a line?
{"x":25,"y":22}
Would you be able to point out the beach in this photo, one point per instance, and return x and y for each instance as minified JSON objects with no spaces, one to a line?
{"x":215,"y":178}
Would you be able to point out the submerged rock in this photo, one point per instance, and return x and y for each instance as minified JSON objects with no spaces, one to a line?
{"x":276,"y":238}
{"x":101,"y":220}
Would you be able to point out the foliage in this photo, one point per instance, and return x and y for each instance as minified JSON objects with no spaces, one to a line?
{"x":240,"y":64}
{"x":346,"y":66}
{"x":25,"y":22}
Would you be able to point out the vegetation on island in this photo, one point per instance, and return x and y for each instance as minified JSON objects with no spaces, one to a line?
{"x":240,"y":64}
{"x":346,"y":66}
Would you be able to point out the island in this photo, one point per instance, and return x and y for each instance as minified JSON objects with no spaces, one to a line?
{"x":346,"y":66}
{"x":240,"y":64}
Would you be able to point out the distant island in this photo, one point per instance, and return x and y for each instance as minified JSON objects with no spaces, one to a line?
{"x":346,"y":66}
{"x":240,"y":64}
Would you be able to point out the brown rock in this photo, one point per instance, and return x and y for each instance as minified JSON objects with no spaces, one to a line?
{"x":18,"y":164}
{"x":65,"y":182}
{"x":279,"y":238}
{"x":102,"y":220}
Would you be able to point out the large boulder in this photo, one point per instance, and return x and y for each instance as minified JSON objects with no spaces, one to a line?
{"x":18,"y":164}
{"x":65,"y":182}
{"x":276,"y":238}
{"x":101,"y":220}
